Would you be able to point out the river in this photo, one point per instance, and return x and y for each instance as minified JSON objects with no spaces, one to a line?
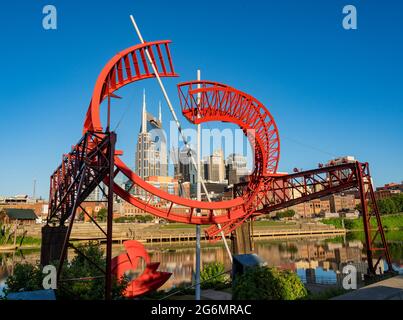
{"x":316,"y":261}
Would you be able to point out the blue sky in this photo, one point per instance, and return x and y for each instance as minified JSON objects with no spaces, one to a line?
{"x":331,"y":91}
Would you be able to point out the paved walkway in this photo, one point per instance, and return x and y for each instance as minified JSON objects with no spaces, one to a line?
{"x":389,"y":289}
{"x":215,"y":295}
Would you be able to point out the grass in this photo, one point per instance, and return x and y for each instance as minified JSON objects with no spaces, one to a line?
{"x":266,"y":223}
{"x":31,"y":241}
{"x":391,"y":236}
{"x":272,"y":223}
{"x":174,"y":226}
{"x":27,"y":241}
{"x":389,"y":222}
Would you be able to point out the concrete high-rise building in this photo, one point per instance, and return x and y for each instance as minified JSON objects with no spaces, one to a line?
{"x":236,"y":168}
{"x":212,"y":171}
{"x":184,"y":168}
{"x":151,"y":153}
{"x":185,"y":171}
{"x":216,"y":166}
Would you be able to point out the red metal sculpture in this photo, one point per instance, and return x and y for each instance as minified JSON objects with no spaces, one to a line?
{"x":264,"y":192}
{"x":149,"y":280}
{"x":218,"y":102}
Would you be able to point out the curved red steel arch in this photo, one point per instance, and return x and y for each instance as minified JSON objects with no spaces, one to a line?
{"x":218,"y":103}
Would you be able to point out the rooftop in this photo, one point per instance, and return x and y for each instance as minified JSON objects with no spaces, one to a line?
{"x":21,"y":214}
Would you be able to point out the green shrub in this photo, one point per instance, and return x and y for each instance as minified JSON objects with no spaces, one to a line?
{"x":137,"y":218}
{"x":26,"y":277}
{"x":263,"y":283}
{"x":102,"y":215}
{"x":326,"y":294}
{"x":80,"y":267}
{"x":285,"y":214}
{"x":213,"y":276}
{"x":29,"y":277}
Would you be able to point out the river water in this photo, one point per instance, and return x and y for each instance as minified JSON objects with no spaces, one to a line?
{"x":316,"y":261}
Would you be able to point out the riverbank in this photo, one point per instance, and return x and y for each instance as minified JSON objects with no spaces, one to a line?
{"x":389,"y":222}
{"x":183,"y":233}
{"x":22,"y":243}
{"x":322,"y":257}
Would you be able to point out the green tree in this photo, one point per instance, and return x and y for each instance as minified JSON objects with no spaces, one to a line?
{"x":286,"y":214}
{"x":387,"y":206}
{"x":144,"y":218}
{"x":263,"y":283}
{"x":102,"y":215}
{"x":80,"y":267}
{"x":399,"y":202}
{"x":81,"y":216}
{"x":213,"y":276}
{"x":84,"y":280}
{"x":26,"y":277}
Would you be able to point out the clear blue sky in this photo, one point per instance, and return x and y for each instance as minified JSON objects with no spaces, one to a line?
{"x":332,"y":92}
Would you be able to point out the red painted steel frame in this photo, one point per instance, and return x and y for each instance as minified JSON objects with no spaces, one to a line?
{"x":264,"y":192}
{"x":218,"y":102}
{"x":89,"y":163}
{"x":284,"y":191}
{"x":149,"y":280}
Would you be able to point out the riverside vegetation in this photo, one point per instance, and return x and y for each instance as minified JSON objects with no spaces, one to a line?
{"x":389,"y":222}
{"x":29,"y":277}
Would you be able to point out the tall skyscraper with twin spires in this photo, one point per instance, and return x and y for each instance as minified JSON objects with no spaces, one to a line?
{"x":151,"y":153}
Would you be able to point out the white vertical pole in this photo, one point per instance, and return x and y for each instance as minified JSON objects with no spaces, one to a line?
{"x":179,"y":128}
{"x":198,"y":193}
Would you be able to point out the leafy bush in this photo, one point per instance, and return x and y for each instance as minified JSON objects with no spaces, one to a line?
{"x":102,"y":215}
{"x":391,"y":205}
{"x":213,"y":276}
{"x":285,"y":214}
{"x":137,"y":218}
{"x":263,"y":283}
{"x":80,"y":267}
{"x":326,"y":294}
{"x":26,"y":277}
{"x":29,"y":277}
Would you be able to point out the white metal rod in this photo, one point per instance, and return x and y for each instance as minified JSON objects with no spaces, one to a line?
{"x":198,"y":195}
{"x":179,"y":127}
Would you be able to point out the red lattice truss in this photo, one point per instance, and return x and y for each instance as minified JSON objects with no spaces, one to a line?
{"x":265,"y":190}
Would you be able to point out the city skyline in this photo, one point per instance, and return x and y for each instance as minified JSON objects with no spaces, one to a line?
{"x":332,"y":92}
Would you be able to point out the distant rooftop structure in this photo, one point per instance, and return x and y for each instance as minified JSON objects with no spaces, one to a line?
{"x":19,"y":198}
{"x":341,"y":160}
{"x":397,"y":187}
{"x":20,"y":214}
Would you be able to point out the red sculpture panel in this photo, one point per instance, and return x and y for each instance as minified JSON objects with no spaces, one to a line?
{"x":149,"y":280}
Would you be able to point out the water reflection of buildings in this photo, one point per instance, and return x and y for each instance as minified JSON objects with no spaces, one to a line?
{"x":182,"y":263}
{"x":315,"y":262}
{"x":318,"y":262}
